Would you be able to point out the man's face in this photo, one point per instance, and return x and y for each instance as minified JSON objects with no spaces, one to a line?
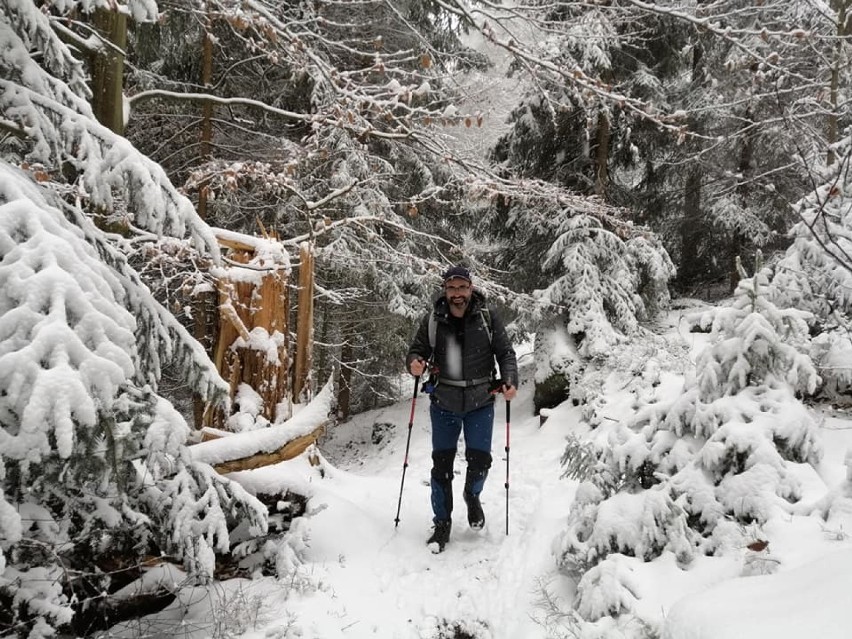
{"x":458,"y":291}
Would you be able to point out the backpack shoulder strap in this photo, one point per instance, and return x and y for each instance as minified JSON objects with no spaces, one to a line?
{"x":485,"y":312}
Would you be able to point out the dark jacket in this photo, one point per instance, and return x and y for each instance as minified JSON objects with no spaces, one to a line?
{"x":463,"y":352}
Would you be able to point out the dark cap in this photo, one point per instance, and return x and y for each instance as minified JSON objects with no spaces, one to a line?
{"x":457,"y":271}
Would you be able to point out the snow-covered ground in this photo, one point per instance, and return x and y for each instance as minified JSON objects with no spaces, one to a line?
{"x":380,"y":580}
{"x":362,"y":576}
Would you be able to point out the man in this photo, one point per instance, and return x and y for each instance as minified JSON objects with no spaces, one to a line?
{"x":459,"y":341}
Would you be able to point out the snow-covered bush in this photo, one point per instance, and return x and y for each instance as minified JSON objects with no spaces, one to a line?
{"x":93,"y":461}
{"x":672,"y":477}
{"x":815,"y":274}
{"x":760,"y":344}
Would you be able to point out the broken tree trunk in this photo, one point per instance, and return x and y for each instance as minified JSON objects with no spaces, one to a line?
{"x":253,"y":336}
{"x":305,"y":322}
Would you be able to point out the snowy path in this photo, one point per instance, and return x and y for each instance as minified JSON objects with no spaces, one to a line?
{"x":382,"y":581}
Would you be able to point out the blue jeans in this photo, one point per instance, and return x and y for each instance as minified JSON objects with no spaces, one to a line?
{"x":477,"y":426}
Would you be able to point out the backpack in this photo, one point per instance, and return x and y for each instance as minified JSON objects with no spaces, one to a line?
{"x":484,"y":312}
{"x":429,"y":386}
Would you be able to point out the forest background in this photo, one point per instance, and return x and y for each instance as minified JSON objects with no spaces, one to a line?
{"x":586,"y":160}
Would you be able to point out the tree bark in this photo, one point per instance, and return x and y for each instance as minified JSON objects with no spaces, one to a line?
{"x":344,"y":393}
{"x":833,"y":116}
{"x":602,"y":155}
{"x":206,"y":115}
{"x":108,"y":70}
{"x":305,"y":322}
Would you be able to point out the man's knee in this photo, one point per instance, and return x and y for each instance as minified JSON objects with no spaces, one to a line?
{"x":478,"y":460}
{"x":442,"y":464}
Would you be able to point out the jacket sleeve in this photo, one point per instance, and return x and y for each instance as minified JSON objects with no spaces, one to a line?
{"x":420,"y":346}
{"x":501,"y":345}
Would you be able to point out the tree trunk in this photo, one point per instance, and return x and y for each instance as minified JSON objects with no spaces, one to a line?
{"x":108,"y":70}
{"x":602,"y":155}
{"x":262,"y":365}
{"x":304,"y":323}
{"x":344,"y":393}
{"x":206,"y":115}
{"x":690,"y":228}
{"x":203,"y":324}
{"x":745,"y":171}
{"x":204,"y":330}
{"x":833,"y":117}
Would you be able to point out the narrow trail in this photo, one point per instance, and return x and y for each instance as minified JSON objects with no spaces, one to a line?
{"x":485,"y":582}
{"x":359,"y":576}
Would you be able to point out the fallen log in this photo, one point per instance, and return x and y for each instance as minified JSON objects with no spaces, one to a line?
{"x":280,"y":442}
{"x":291,"y":449}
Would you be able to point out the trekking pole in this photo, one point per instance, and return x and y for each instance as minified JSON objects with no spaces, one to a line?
{"x":508,"y":413}
{"x":407,"y":444}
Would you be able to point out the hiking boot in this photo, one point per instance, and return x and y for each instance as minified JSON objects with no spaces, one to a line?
{"x":440,"y":536}
{"x":475,"y":516}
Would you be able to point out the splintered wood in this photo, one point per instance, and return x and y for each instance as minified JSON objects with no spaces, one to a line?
{"x":253,"y":338}
{"x":305,"y":321}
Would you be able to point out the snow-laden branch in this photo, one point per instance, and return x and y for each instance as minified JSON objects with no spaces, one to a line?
{"x":23,"y":70}
{"x":167,"y":341}
{"x":105,"y":163}
{"x":176,"y":96}
{"x":753,"y":43}
{"x":22,"y":22}
{"x":573,"y":75}
{"x":737,"y":38}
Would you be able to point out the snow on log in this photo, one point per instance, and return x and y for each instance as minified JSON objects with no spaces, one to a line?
{"x":256,"y":448}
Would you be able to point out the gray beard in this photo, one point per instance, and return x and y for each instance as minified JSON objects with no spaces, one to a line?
{"x":459,"y":306}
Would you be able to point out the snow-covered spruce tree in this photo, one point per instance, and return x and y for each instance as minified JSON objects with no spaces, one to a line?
{"x":592,"y":277}
{"x":568,"y":135}
{"x":733,"y":176}
{"x":601,"y":287}
{"x":815,"y":274}
{"x":93,"y":464}
{"x":667,"y":109}
{"x":686,"y":476}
